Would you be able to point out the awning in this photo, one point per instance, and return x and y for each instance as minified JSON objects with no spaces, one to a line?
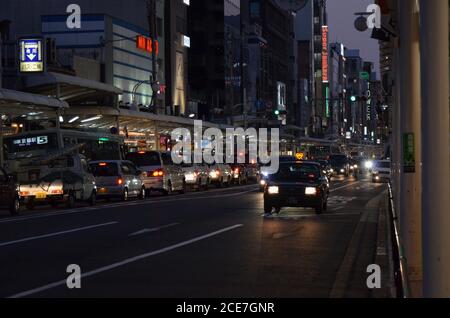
{"x":11,"y":98}
{"x":71,"y":87}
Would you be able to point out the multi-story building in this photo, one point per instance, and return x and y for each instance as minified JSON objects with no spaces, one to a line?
{"x":356,"y":88}
{"x":218,"y":58}
{"x":272,"y":42}
{"x":177,"y":44}
{"x":337,"y":89}
{"x":104,"y":48}
{"x":311,"y":32}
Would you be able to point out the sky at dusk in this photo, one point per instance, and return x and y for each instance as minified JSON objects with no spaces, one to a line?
{"x":341,"y":18}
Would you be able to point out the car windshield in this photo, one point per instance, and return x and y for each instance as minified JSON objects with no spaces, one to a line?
{"x":105,"y":169}
{"x":383,"y":165}
{"x":144,"y":159}
{"x":296,"y":172}
{"x":338,"y":160}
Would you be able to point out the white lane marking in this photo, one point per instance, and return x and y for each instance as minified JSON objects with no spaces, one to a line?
{"x":156,"y":229}
{"x":56,"y":234}
{"x":117,"y":205}
{"x":127,"y":261}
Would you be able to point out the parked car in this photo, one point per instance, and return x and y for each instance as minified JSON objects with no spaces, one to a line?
{"x":220,"y":174}
{"x":239,"y":173}
{"x":340,"y":165}
{"x":196,"y":175}
{"x":118,"y":179}
{"x":297,"y":184}
{"x":66,"y":179}
{"x":381,"y":171}
{"x":9,"y":196}
{"x":160,"y":172}
{"x":252,"y":172}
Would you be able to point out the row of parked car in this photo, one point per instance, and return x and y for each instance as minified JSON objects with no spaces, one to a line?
{"x":69,"y":179}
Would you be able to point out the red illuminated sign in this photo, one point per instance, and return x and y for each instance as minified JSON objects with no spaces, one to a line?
{"x":325,"y":54}
{"x":146,"y":44}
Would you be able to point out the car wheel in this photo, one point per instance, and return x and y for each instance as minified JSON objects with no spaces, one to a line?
{"x":93,"y":199}
{"x":14,"y":209}
{"x":142,"y":194}
{"x":267,"y":208}
{"x":30,"y":205}
{"x":54,"y":204}
{"x":183,"y":189}
{"x":71,"y":201}
{"x":320,"y":206}
{"x":220,"y":184}
{"x":125,"y":196}
{"x":206,"y":185}
{"x":169,"y":189}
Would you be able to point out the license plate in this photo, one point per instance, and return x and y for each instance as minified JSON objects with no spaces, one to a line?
{"x":292,"y":201}
{"x":41,"y":195}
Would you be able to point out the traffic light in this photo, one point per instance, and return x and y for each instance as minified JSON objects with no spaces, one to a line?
{"x":277,"y":112}
{"x":353,"y":98}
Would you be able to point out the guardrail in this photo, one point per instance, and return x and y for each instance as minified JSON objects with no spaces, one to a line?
{"x":400,"y":261}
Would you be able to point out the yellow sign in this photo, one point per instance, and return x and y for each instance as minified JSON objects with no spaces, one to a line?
{"x":300,"y":156}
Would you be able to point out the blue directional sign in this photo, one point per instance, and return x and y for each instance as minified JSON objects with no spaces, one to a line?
{"x":31,"y":55}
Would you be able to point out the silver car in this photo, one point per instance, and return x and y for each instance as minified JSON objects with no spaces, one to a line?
{"x":159,"y":171}
{"x":220,"y":175}
{"x":196,"y":175}
{"x":119,"y":179}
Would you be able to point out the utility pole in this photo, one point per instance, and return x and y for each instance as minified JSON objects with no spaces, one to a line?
{"x":410,"y":173}
{"x":152,"y":21}
{"x":435,"y":136}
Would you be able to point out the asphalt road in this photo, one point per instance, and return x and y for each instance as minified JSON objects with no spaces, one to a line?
{"x":205,"y":244}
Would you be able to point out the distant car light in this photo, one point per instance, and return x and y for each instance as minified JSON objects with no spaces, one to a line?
{"x":274,"y":190}
{"x":369,"y":164}
{"x":310,"y":191}
{"x":342,"y":170}
{"x":262,"y":182}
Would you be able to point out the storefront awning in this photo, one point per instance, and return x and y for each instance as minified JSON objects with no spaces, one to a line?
{"x":71,"y":88}
{"x":11,"y":100}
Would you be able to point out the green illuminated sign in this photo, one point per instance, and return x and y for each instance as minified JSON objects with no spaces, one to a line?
{"x":409,"y":156}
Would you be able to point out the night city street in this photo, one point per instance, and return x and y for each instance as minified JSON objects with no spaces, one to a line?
{"x":225,"y":156}
{"x":198,"y":245}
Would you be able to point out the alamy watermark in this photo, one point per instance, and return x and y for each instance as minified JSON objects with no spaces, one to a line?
{"x":261,"y":148}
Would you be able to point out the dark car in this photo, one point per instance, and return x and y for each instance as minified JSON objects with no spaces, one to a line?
{"x":326,"y":168}
{"x":297,"y":184}
{"x":239,"y":174}
{"x":340,"y":165}
{"x":9,"y":198}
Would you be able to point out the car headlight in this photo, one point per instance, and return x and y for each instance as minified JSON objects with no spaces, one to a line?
{"x":355,"y":166}
{"x":263,"y":182}
{"x":331,"y":170}
{"x":310,"y":191}
{"x":369,"y":164}
{"x":342,"y":170}
{"x":273,"y":190}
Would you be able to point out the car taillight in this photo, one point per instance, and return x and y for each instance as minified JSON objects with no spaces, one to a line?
{"x":157,"y":173}
{"x":24,"y":193}
{"x":236,"y":170}
{"x":119,"y":181}
{"x":311,"y":176}
{"x":57,"y":191}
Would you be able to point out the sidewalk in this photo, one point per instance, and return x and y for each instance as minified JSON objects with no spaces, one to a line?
{"x":369,"y":246}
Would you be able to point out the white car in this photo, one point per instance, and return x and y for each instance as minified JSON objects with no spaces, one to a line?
{"x":220,"y":174}
{"x":196,"y":175}
{"x":65,"y":179}
{"x":161,"y":174}
{"x":381,"y":171}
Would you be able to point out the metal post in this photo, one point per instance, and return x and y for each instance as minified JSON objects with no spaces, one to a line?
{"x":411,"y":176}
{"x":435,"y":133}
{"x":396,"y":140}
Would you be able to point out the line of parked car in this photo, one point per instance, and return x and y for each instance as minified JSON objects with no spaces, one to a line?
{"x":70,"y":178}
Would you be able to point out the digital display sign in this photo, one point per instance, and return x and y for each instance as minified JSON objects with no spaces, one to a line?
{"x":31,"y":55}
{"x":32,"y":141}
